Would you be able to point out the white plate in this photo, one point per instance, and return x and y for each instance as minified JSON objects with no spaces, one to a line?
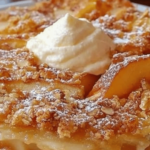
{"x":141,"y":7}
{"x":22,"y":3}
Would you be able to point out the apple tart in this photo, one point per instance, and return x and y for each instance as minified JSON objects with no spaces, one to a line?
{"x":46,"y":108}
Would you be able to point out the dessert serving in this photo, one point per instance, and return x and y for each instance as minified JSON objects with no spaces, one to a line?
{"x":75,"y":75}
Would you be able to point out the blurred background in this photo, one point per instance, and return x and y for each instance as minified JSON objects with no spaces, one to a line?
{"x":144,"y":2}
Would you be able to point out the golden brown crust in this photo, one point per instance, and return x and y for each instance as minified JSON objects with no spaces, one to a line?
{"x":38,"y":96}
{"x":50,"y":110}
{"x":128,"y":27}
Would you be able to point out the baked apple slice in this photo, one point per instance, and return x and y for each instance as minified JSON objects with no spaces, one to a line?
{"x":123,"y":77}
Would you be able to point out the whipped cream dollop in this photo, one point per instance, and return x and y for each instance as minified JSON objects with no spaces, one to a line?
{"x":75,"y":44}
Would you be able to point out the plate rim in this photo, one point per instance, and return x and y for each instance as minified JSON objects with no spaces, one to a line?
{"x":141,"y":7}
{"x":20,"y":4}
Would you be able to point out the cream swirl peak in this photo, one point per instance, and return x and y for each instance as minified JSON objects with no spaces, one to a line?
{"x":75,"y":44}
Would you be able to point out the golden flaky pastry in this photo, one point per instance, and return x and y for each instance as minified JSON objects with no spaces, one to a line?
{"x":44,"y":108}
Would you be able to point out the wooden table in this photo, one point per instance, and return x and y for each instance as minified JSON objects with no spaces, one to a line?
{"x":144,"y":2}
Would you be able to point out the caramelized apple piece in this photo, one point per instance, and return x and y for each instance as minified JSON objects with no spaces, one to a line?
{"x":123,"y":77}
{"x":88,"y":81}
